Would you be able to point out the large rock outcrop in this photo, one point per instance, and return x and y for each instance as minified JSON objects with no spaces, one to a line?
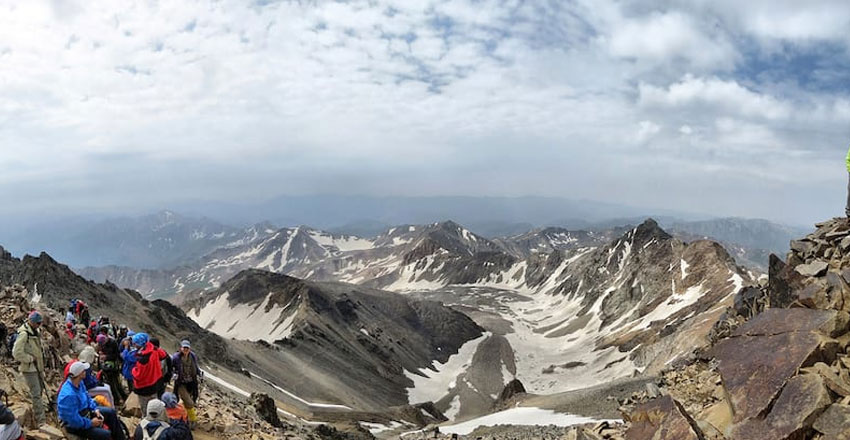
{"x":780,"y":373}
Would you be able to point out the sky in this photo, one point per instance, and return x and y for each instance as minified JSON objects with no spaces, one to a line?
{"x":721,"y":107}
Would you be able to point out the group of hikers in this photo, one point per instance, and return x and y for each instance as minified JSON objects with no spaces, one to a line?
{"x":94,"y":383}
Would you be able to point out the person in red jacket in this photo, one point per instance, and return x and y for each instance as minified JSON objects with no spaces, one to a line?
{"x":148,"y":370}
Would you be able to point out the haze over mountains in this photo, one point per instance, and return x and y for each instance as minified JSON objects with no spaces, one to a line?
{"x":169,"y":238}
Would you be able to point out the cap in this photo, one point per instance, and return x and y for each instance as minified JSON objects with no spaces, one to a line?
{"x":77,"y":368}
{"x":88,"y":354}
{"x":169,"y":399}
{"x":155,"y":408}
{"x":185,"y":343}
{"x":34,"y":316}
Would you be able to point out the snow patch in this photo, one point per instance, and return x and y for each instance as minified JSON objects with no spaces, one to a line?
{"x":432,"y":385}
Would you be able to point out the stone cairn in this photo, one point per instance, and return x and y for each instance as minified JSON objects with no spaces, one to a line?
{"x":777,"y":367}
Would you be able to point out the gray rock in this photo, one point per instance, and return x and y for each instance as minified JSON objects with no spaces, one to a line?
{"x":813,"y":269}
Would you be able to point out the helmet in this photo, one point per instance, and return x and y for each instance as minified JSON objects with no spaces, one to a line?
{"x":140,"y":339}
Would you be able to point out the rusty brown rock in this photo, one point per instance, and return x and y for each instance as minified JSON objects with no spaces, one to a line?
{"x":836,"y":383}
{"x":776,"y":321}
{"x":755,"y":368}
{"x":802,"y":401}
{"x":661,"y":419}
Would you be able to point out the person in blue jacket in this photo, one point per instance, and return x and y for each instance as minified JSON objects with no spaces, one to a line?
{"x":128,"y":355}
{"x":80,"y":414}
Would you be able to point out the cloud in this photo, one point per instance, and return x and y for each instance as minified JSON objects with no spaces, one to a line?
{"x":670,"y":37}
{"x":724,"y":96}
{"x":579,"y":98}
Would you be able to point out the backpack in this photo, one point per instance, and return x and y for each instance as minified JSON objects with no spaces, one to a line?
{"x":156,"y":434}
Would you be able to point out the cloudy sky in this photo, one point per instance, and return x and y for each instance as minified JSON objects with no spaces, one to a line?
{"x":727,"y":107}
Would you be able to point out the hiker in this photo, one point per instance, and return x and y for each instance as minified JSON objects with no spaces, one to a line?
{"x":122,"y":332}
{"x":148,"y":370}
{"x":128,"y":356}
{"x":10,"y":429}
{"x":27,"y":350}
{"x":154,"y":426}
{"x":70,"y":330}
{"x":86,"y":356}
{"x":167,"y":368}
{"x":110,"y":366}
{"x":94,"y":385}
{"x":69,"y":318}
{"x":91,"y":332}
{"x":80,"y":414}
{"x":82,"y":311}
{"x":188,"y":374}
{"x":175,"y":410}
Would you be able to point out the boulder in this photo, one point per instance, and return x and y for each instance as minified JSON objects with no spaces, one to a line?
{"x":834,"y":421}
{"x":513,"y":388}
{"x":814,"y":269}
{"x":777,"y":321}
{"x":783,"y":281}
{"x":814,"y":296}
{"x":801,"y":402}
{"x":132,"y":407}
{"x":754,"y":369}
{"x":836,"y":380}
{"x":718,"y":416}
{"x":24,"y":416}
{"x":266,"y":408}
{"x":662,"y":419}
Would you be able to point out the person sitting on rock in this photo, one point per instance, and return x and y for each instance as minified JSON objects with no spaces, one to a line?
{"x":188,"y":375}
{"x":10,"y":429}
{"x":80,"y":414}
{"x":148,"y":370}
{"x":175,"y":410}
{"x":154,"y":426}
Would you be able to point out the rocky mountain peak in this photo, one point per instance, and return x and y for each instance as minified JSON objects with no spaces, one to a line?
{"x":649,"y":230}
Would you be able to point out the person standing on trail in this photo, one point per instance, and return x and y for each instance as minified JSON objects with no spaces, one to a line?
{"x":148,"y":370}
{"x":27,"y":350}
{"x":188,"y":375}
{"x":128,"y":356}
{"x":167,"y":368}
{"x":111,"y":366}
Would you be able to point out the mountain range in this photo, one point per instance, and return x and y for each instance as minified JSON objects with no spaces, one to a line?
{"x":338,"y":327}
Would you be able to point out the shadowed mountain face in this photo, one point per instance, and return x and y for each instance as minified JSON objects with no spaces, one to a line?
{"x":54,"y":284}
{"x":342,"y":340}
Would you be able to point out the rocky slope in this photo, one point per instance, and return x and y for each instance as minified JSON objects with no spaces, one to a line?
{"x":334,"y":341}
{"x":778,"y":366}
